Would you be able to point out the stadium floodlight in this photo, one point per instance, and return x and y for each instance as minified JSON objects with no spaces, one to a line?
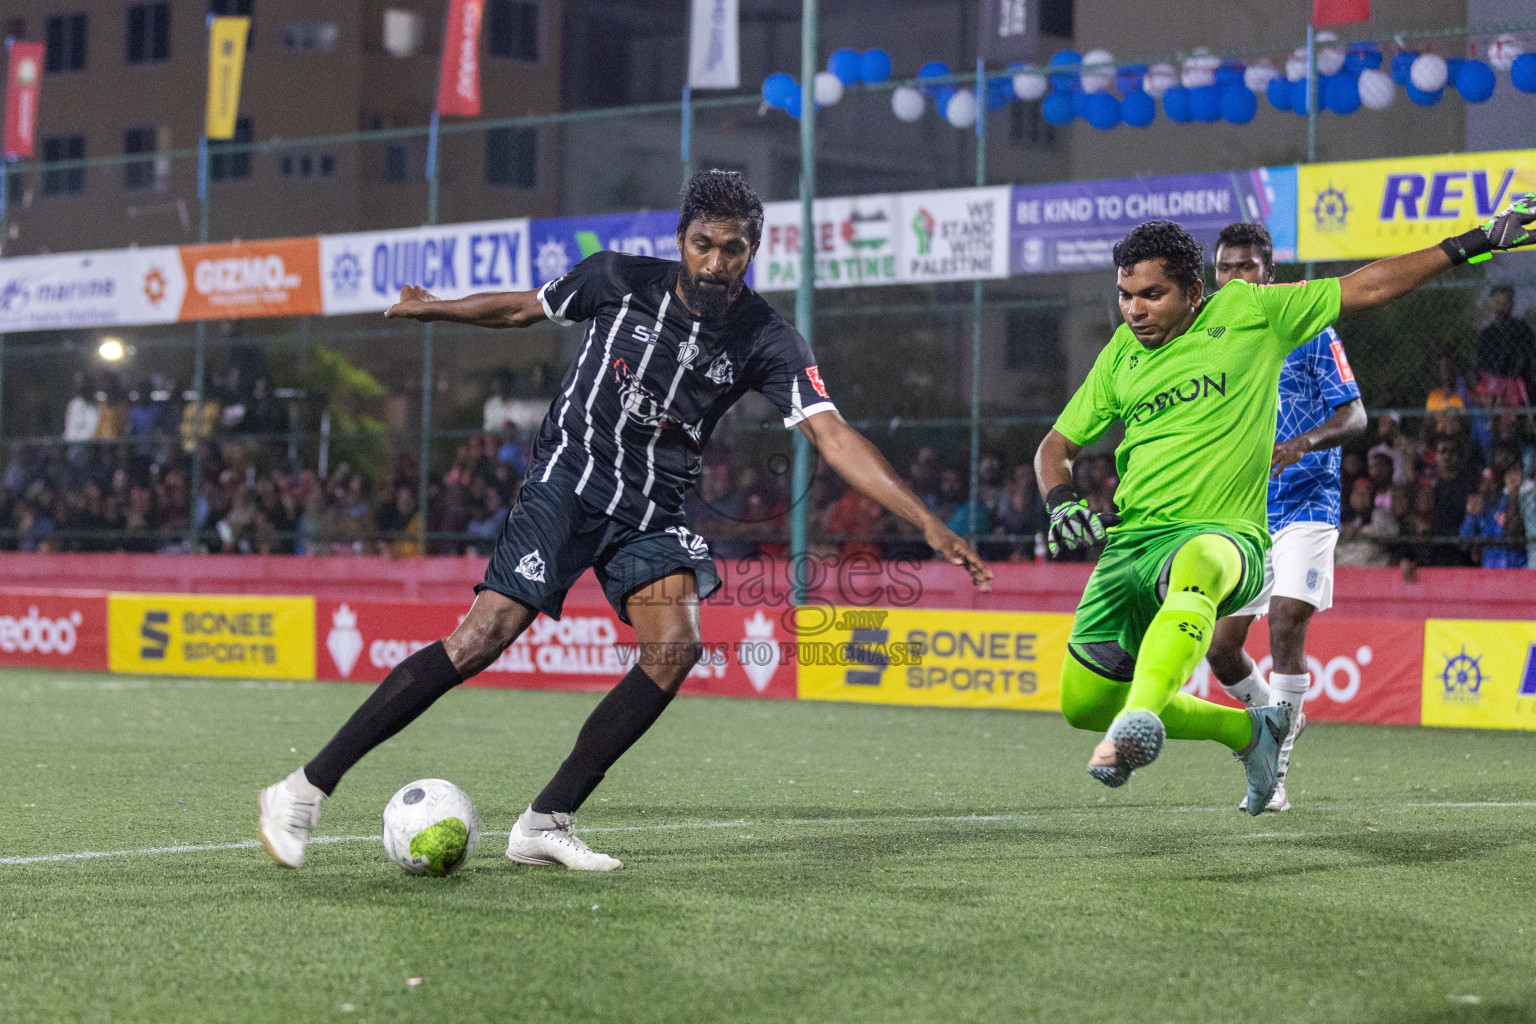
{"x":111,"y":349}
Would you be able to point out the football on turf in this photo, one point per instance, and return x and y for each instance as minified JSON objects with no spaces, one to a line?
{"x":430,"y":827}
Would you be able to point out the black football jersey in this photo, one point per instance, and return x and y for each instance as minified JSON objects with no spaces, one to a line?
{"x":637,"y":406}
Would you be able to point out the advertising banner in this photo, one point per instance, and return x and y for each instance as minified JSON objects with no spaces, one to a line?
{"x":1363,"y":670}
{"x":1480,"y":673}
{"x":587,"y":649}
{"x":211,"y":635}
{"x":1074,"y":225}
{"x":276,"y":277}
{"x":364,"y":272}
{"x":226,"y":61}
{"x":954,"y":235}
{"x":23,"y":84}
{"x":561,"y":243}
{"x":854,"y":240}
{"x":1008,"y":30}
{"x":921,"y":656}
{"x":1277,"y":196}
{"x":714,"y":51}
{"x":1367,"y":209}
{"x":91,"y":289}
{"x":458,"y":87}
{"x":54,"y":629}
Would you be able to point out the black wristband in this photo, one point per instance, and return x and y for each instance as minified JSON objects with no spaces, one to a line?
{"x":1468,"y":246}
{"x":1061,"y":494}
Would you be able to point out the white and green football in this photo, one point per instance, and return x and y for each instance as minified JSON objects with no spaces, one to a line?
{"x":430,"y":827}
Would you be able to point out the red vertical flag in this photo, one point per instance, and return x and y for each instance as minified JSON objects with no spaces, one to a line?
{"x":25,"y":79}
{"x":1340,"y":12}
{"x":458,"y":88}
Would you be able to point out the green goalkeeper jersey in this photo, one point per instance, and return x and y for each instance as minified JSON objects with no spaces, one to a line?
{"x":1199,"y":411}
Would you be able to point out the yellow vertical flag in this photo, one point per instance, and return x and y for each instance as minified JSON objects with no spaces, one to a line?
{"x":226,"y":59}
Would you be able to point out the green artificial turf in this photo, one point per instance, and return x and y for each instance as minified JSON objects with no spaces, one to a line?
{"x":784,"y":862}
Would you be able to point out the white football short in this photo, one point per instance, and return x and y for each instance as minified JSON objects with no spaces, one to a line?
{"x":1300,"y":566}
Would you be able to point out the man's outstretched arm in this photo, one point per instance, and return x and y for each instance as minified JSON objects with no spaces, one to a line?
{"x":860,"y":463}
{"x":1378,"y":283}
{"x":485,"y":309}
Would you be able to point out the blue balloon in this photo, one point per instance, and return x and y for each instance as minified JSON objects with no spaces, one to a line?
{"x":999,"y":93}
{"x":1238,"y":104}
{"x":1130,"y":77}
{"x":1065,"y":79}
{"x":1205,"y":104}
{"x":941,"y":95}
{"x":1229,"y":73}
{"x":1361,"y":56}
{"x":1422,"y":98}
{"x":1176,"y":105}
{"x":1080,"y":102}
{"x":1057,"y":108}
{"x":792,"y":108}
{"x":1299,"y":96}
{"x":1279,"y":92}
{"x":1342,"y":95}
{"x":1522,"y":73}
{"x":1475,"y":81}
{"x":874,"y":66}
{"x":1102,"y":111}
{"x":935,"y":69}
{"x":1453,"y":65}
{"x":777,"y":89}
{"x":1402,"y":66}
{"x":844,"y":64}
{"x":1138,"y":109}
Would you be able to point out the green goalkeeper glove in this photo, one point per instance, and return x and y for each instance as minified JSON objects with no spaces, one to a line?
{"x":1073,"y":524}
{"x":1510,"y":228}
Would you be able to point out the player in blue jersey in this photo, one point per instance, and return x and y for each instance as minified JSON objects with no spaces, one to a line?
{"x":1320,"y":409}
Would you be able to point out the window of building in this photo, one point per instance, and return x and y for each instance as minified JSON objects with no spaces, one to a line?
{"x":223,"y":165}
{"x":1056,"y":18}
{"x":394,"y":162}
{"x":15,"y":189}
{"x":64,"y":43}
{"x":1028,"y":129}
{"x":512,"y":157}
{"x":512,"y":29}
{"x":63,"y":180}
{"x":149,"y":33}
{"x":16,"y":28}
{"x":311,"y":36}
{"x":307,"y":165}
{"x":139,"y":141}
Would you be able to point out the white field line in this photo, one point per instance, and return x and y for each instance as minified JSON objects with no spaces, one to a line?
{"x":251,"y":844}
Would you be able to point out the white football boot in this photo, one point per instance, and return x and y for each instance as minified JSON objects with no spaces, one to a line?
{"x":1281,"y":802}
{"x":543,"y":839}
{"x":289,"y":810}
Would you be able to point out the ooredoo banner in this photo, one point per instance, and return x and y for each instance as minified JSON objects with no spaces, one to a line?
{"x":212,"y":635}
{"x":1362,"y":670}
{"x":54,"y":629}
{"x":588,"y":648}
{"x":277,"y":277}
{"x":364,"y":271}
{"x":922,"y":656}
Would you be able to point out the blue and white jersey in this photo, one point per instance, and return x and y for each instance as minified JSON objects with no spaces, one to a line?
{"x":1314,"y":382}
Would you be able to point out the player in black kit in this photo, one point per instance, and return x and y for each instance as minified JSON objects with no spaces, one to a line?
{"x":669,"y":347}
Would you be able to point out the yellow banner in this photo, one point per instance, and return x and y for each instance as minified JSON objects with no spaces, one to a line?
{"x":1366,"y":209}
{"x":1480,"y":673}
{"x":920,"y":656}
{"x":197,"y":635}
{"x":226,"y":60}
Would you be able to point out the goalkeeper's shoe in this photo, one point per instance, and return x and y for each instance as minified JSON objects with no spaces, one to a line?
{"x":1133,"y":741}
{"x":1261,"y":757}
{"x":289,"y":810}
{"x":543,"y":839}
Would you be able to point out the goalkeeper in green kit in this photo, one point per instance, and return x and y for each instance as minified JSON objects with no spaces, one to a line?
{"x":1196,"y":381}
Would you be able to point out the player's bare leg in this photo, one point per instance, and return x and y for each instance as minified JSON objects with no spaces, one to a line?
{"x":1231,"y":665}
{"x":665,"y":615}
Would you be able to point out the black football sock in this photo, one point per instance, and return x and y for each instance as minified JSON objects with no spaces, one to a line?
{"x":615,"y":724}
{"x":408,"y":690}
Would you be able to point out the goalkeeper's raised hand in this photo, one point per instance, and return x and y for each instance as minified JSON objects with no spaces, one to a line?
{"x":1073,"y":524}
{"x":1512,"y":227}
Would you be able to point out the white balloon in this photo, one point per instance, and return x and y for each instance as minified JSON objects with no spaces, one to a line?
{"x":1161,"y":78}
{"x":1377,"y":89}
{"x":1200,"y":70}
{"x":1258,"y":75}
{"x":1030,"y":85}
{"x":1503,"y":51}
{"x":907,"y":103}
{"x":961,"y":109}
{"x":829,"y":88}
{"x":1330,"y":59}
{"x":1098,"y":71}
{"x":1296,"y":64}
{"x":1428,"y":73}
